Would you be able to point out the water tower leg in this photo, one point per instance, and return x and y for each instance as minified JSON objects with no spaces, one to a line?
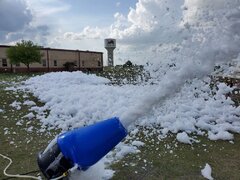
{"x":110,"y":57}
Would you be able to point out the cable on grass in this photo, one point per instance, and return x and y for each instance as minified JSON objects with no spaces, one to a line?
{"x":31,"y":177}
{"x":16,"y":175}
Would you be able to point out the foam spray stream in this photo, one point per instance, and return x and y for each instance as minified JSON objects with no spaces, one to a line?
{"x":214,"y":37}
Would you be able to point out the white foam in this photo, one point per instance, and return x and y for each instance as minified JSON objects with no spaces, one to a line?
{"x":207,"y":171}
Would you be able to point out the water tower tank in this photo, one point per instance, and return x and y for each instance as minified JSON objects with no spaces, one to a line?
{"x":110,"y":45}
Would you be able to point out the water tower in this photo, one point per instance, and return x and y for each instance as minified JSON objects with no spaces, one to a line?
{"x":110,"y":45}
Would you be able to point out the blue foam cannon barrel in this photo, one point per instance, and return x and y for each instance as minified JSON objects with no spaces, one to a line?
{"x":83,"y":146}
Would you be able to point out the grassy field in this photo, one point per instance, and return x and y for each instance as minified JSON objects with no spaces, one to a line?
{"x":16,"y":141}
{"x":165,"y":159}
{"x":168,"y":159}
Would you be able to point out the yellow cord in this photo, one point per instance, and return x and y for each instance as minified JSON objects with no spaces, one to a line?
{"x":32,"y":177}
{"x":16,"y":175}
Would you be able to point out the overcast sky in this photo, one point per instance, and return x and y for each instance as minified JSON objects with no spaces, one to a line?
{"x":84,"y":24}
{"x":140,"y":26}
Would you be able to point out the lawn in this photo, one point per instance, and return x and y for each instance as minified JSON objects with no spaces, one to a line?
{"x":20,"y":142}
{"x":169,"y":159}
{"x":157,"y":159}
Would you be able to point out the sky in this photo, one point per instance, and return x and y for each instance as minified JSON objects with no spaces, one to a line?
{"x":84,"y":24}
{"x":141,"y":27}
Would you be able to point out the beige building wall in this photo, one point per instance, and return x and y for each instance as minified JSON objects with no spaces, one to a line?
{"x":3,"y":55}
{"x":61,"y":57}
{"x":54,"y":60}
{"x":39,"y":65}
{"x":89,"y":60}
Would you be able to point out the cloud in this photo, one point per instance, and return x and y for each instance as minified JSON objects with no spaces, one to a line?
{"x":157,"y":27}
{"x":150,"y":22}
{"x":17,"y":23}
{"x":14,"y":15}
{"x":37,"y":34}
{"x":42,"y":8}
{"x":87,"y":33}
{"x":156,"y":24}
{"x":118,"y":4}
{"x":120,"y":23}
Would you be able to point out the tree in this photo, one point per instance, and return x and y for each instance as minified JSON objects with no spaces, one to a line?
{"x":69,"y":66}
{"x":25,"y":52}
{"x":128,"y":64}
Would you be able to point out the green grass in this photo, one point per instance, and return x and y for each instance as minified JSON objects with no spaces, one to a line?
{"x":124,"y":75}
{"x":16,"y":142}
{"x":169,"y":159}
{"x":165,"y":159}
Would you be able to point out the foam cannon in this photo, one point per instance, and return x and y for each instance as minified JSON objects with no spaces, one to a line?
{"x":80,"y":148}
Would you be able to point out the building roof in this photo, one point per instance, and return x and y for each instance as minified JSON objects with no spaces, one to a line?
{"x":55,"y":49}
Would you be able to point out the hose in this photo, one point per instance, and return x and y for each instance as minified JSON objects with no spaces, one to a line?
{"x":32,"y":177}
{"x":17,"y":175}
